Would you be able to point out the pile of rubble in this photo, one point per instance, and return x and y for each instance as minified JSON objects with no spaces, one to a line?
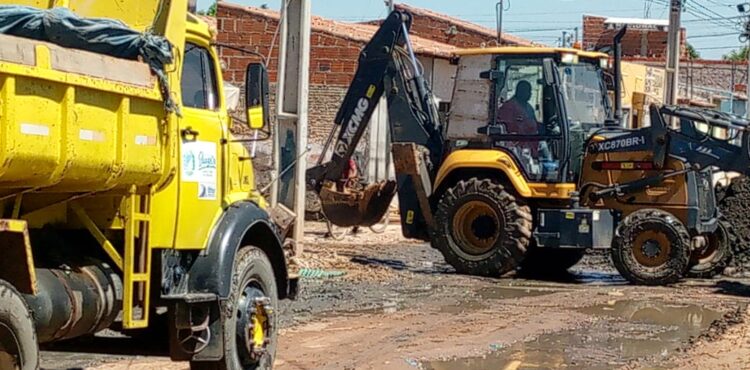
{"x":734,"y":203}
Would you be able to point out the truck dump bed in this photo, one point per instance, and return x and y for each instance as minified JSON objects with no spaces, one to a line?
{"x":76,"y":121}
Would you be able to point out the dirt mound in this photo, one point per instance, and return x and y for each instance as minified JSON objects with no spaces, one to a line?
{"x":734,"y":203}
{"x":719,"y":327}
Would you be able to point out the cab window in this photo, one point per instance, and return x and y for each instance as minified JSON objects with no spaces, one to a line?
{"x":519,"y":99}
{"x":525,"y":121}
{"x":199,"y":88}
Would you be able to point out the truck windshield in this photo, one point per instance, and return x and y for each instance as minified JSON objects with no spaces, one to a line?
{"x":584,"y":93}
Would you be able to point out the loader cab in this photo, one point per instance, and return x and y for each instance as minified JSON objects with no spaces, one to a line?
{"x":536,"y":104}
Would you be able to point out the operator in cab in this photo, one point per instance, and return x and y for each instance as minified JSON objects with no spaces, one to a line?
{"x":517,"y":113}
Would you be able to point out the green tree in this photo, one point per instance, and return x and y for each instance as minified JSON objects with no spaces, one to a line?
{"x":737,"y":55}
{"x":691,"y":52}
{"x":211,"y":11}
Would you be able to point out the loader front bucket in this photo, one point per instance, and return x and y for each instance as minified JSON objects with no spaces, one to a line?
{"x":352,"y":208}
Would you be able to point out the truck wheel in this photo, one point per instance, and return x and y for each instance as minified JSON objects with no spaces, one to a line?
{"x":713,"y":259}
{"x":481,"y":229}
{"x":18,"y":346}
{"x":550,"y":261}
{"x":651,"y":247}
{"x":253,"y":326}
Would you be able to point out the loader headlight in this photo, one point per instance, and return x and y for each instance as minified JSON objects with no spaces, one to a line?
{"x":569,"y":58}
{"x":604,"y":63}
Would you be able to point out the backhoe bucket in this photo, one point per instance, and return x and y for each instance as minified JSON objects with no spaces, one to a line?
{"x":357,"y":207}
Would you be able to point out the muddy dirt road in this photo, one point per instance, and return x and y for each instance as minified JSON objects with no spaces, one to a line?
{"x":398,"y":306}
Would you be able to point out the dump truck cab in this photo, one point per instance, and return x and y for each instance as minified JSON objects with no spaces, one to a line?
{"x":125,"y":196}
{"x":526,"y":112}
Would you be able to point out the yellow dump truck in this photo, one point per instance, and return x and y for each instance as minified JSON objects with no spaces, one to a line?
{"x":115,"y":204}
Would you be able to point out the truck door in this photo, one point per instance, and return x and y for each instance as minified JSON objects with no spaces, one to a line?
{"x":200,"y":190}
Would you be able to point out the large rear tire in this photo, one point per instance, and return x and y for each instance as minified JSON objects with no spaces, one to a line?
{"x":542,"y":262}
{"x":651,"y":247}
{"x":712,"y":260}
{"x":18,"y":346}
{"x":255,"y":301}
{"x":481,"y":229}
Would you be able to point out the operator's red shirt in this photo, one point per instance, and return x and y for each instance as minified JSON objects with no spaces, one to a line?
{"x":519,"y":119}
{"x":516,"y":118}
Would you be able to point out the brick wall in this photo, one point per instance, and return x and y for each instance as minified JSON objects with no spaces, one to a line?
{"x":705,"y":75}
{"x":333,"y":62}
{"x":441,"y":31}
{"x":333,"y":59}
{"x":453,"y":31}
{"x":317,"y":133}
{"x":596,"y":36}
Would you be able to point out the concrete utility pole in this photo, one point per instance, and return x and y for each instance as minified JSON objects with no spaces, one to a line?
{"x":391,"y":6}
{"x":745,"y":37}
{"x":564,"y":42}
{"x":293,"y":87}
{"x":673,"y":52}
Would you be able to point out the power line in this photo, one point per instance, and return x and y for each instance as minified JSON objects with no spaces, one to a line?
{"x":529,"y":30}
{"x":712,"y":35}
{"x":704,"y":14}
{"x":707,"y":11}
{"x":719,"y":47}
{"x":720,"y":4}
{"x":711,"y":19}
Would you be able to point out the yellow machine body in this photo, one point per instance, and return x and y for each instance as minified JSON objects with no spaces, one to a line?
{"x":87,"y":144}
{"x":470,"y":111}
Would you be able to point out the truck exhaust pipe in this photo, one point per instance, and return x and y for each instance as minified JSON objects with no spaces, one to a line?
{"x":618,"y":74}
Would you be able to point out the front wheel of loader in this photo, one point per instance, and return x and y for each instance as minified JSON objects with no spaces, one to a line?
{"x":252,"y":328}
{"x":651,"y":247}
{"x":712,"y":260}
{"x":18,"y":346}
{"x":481,"y":229}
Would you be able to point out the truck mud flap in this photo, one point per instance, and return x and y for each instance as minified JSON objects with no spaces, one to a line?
{"x":352,"y":208}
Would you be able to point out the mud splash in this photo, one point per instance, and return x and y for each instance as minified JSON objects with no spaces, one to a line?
{"x":623,"y":331}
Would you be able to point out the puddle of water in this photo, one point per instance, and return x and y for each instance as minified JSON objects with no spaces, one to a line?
{"x":630,"y":330}
{"x":689,"y":319}
{"x":509,"y":293}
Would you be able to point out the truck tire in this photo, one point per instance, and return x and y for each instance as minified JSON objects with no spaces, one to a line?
{"x":542,"y":262}
{"x":651,"y":247}
{"x":481,"y":229}
{"x":712,"y":261}
{"x":18,"y":346}
{"x":252,"y":281}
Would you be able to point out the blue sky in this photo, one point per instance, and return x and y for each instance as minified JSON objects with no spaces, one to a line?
{"x":544,"y":20}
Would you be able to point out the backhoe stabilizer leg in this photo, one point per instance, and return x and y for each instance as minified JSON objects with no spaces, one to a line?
{"x":408,"y":160}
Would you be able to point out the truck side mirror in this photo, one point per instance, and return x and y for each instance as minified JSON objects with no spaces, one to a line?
{"x":257,"y":96}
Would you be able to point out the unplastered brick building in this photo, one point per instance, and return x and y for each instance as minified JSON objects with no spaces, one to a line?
{"x":455,"y":31}
{"x":645,"y":37}
{"x":335,"y":48}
